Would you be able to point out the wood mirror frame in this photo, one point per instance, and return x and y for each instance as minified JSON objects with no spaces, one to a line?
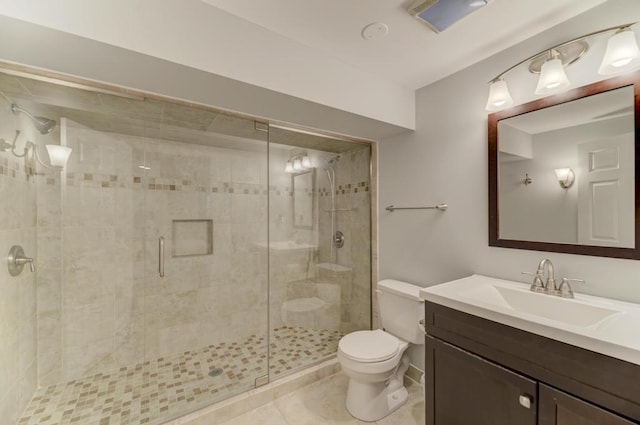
{"x":589,"y":90}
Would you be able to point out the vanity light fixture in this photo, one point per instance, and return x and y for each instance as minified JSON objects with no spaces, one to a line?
{"x":566,"y":177}
{"x":289,"y":167}
{"x":621,"y":55}
{"x":622,"y":50}
{"x":499,"y":96}
{"x":58,"y":155}
{"x":552,"y":77}
{"x":298,"y":163}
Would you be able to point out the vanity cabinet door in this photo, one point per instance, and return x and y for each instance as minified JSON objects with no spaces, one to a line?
{"x":558,"y":408}
{"x":464,"y":389}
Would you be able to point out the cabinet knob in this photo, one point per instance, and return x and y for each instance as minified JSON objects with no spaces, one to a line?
{"x":525,"y":401}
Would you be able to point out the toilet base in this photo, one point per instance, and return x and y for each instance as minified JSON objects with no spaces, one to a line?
{"x":372,"y":402}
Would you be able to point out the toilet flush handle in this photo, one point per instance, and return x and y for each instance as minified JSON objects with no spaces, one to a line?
{"x":422,"y":324}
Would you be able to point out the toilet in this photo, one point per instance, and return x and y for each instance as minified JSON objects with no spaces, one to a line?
{"x":375,"y":361}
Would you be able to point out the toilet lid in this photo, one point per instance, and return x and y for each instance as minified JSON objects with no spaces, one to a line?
{"x":369,"y":346}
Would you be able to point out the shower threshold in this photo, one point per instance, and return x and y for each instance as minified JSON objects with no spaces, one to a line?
{"x":168,"y":387}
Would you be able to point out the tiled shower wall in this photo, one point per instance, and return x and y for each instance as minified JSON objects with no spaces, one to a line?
{"x":103,"y":303}
{"x":313,"y":274}
{"x":18,"y":350}
{"x":353,"y":219}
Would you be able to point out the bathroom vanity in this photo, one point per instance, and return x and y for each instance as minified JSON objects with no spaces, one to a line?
{"x":497,"y":353}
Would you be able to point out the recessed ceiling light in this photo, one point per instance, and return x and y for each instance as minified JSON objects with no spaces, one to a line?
{"x":477,"y":3}
{"x":375,"y":30}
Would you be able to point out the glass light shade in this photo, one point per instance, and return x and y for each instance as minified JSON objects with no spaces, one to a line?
{"x":566,"y":177}
{"x":622,"y":53}
{"x":306,"y":162}
{"x":552,"y":78}
{"x":58,"y":155}
{"x":499,"y":96}
{"x":289,"y":167}
{"x":297,"y":165}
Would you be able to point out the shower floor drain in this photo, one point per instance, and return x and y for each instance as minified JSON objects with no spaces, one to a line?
{"x":215,"y":372}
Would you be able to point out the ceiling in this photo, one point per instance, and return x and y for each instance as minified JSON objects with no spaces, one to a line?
{"x":411,"y":54}
{"x":305,"y":49}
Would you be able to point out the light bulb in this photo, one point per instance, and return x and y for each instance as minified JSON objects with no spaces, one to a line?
{"x":289,"y":167}
{"x":306,"y":162}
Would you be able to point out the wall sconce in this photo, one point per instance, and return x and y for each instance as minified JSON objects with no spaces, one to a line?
{"x":58,"y":155}
{"x":622,"y":54}
{"x":298,"y":163}
{"x":566,"y":177}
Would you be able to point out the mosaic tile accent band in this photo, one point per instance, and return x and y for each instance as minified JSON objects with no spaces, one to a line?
{"x":155,"y":391}
{"x":152,"y":183}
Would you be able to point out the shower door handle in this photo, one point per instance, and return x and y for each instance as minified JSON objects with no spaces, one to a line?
{"x":161,"y":256}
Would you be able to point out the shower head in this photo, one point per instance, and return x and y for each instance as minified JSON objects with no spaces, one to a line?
{"x":42,"y":124}
{"x":330,"y":162}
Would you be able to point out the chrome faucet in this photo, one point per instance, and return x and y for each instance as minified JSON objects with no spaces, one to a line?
{"x":550,"y":287}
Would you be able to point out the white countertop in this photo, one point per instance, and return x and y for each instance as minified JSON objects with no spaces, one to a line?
{"x":601,"y":325}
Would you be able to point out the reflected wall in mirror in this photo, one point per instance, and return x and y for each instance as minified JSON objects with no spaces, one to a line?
{"x":592,"y":131}
{"x":302,"y":185}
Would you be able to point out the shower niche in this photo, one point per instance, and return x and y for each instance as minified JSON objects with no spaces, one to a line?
{"x":191,"y":237}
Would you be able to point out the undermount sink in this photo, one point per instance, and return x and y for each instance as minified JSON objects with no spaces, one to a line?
{"x":546,"y":306}
{"x":598,"y":324}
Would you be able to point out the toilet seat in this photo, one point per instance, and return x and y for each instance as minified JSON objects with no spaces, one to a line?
{"x":369,"y":346}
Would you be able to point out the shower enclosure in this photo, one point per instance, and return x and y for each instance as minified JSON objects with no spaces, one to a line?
{"x":182,"y":255}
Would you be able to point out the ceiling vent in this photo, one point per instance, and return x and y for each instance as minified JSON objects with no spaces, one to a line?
{"x":441,"y":14}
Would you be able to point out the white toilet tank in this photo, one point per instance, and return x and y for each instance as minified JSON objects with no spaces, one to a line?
{"x":400,"y":310}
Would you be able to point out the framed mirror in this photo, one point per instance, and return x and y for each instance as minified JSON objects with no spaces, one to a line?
{"x":302,"y":185}
{"x":564,"y":172}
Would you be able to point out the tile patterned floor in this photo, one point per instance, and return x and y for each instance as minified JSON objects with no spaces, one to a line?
{"x":154,"y":391}
{"x":323,"y":403}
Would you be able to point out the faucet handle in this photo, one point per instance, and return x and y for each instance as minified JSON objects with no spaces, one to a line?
{"x":537,"y":285}
{"x":564,"y":289}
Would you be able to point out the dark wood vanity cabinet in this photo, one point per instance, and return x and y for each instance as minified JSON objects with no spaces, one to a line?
{"x":471,"y":390}
{"x":559,"y":408}
{"x":480,"y":372}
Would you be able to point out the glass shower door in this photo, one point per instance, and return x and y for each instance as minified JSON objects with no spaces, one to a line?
{"x":205,"y":291}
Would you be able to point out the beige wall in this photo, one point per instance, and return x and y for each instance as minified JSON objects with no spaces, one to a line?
{"x":18,"y":350}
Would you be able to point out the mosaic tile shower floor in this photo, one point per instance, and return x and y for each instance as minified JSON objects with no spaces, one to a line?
{"x":154,"y":391}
